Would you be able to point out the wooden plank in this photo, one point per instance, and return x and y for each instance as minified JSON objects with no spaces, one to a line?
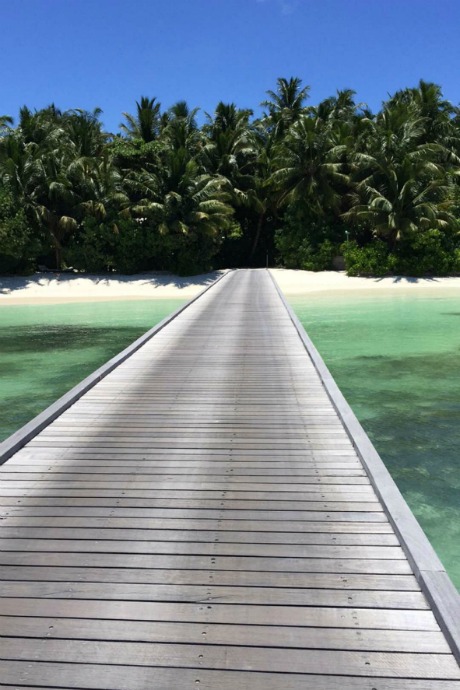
{"x":134,"y":534}
{"x":227,"y":484}
{"x":285,"y":491}
{"x":361,"y":493}
{"x":183,"y":499}
{"x":369,"y":514}
{"x":341,"y":527}
{"x":106,"y":559}
{"x":150,"y":472}
{"x":228,"y":549}
{"x":205,"y":612}
{"x":260,"y":431}
{"x":68,"y":465}
{"x":233,"y":595}
{"x":62,"y":676}
{"x":369,"y":664}
{"x":214,"y":536}
{"x":105,"y":432}
{"x":171,"y":451}
{"x":247,"y":635}
{"x":177,"y":504}
{"x":49,"y":573}
{"x":144,"y":515}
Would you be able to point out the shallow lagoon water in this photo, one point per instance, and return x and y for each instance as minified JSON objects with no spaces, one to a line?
{"x":47,"y":349}
{"x":396,"y":358}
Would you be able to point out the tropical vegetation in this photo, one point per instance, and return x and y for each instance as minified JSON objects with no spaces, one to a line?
{"x":301,"y":186}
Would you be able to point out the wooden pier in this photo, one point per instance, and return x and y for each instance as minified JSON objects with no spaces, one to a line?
{"x":210,"y":515}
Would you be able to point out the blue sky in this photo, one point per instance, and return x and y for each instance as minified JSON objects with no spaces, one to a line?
{"x":108,"y":53}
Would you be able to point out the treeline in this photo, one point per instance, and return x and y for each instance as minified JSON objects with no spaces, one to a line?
{"x":299,"y":187}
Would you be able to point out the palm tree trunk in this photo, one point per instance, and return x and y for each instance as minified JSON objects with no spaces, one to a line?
{"x":57,"y":250}
{"x":260,"y":223}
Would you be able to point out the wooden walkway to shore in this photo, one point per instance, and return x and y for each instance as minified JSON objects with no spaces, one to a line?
{"x":201,"y":519}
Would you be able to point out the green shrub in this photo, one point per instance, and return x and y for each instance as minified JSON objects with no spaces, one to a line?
{"x":92,"y":249}
{"x":424,"y":253}
{"x":428,"y":253}
{"x":303,"y":254}
{"x":456,"y":261}
{"x":18,"y":246}
{"x":125,"y":246}
{"x":138,"y":247}
{"x":321,"y":259}
{"x":372,"y":260}
{"x":307,"y":240}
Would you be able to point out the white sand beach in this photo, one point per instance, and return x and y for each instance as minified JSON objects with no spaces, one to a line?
{"x":328,"y":282}
{"x":55,"y":288}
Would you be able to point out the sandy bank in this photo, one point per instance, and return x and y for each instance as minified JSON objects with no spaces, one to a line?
{"x":53,"y":288}
{"x":303,"y":282}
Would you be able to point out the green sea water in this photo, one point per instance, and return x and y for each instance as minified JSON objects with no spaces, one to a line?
{"x":47,"y":349}
{"x":396,"y":358}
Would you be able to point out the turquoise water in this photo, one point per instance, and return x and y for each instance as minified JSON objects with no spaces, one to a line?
{"x":396,"y":359}
{"x":47,"y":349}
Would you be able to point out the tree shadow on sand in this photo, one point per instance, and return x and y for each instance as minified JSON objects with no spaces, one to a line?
{"x":158,"y":279}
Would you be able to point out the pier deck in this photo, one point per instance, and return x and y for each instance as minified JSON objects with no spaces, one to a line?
{"x":201,"y":519}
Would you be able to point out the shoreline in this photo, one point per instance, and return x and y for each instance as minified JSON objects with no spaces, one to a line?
{"x":46,"y":288}
{"x":86,"y":299}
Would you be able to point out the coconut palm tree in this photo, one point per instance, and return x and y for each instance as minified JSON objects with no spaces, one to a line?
{"x":53,"y":163}
{"x":38,"y":134}
{"x":5,"y":124}
{"x":227,"y":150}
{"x":285,"y":105}
{"x":145,"y":125}
{"x":187,"y":208}
{"x":307,"y":165}
{"x":402,"y":182}
{"x":426,"y":101}
{"x":84,"y":130}
{"x":395,"y":198}
{"x":180,"y":129}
